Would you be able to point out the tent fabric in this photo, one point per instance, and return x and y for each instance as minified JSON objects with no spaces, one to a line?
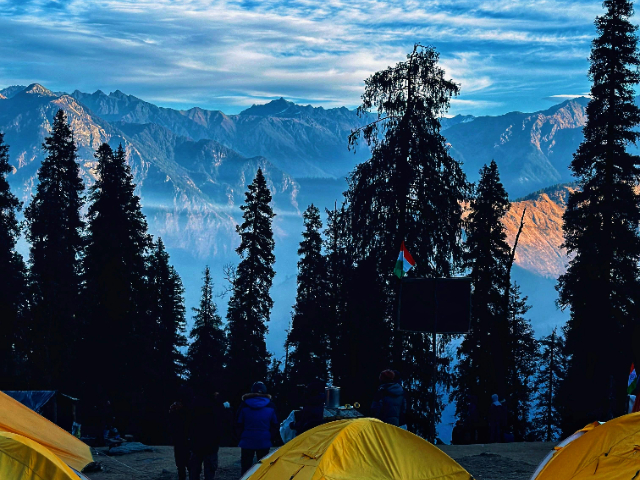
{"x":25,"y":459}
{"x":34,"y":399}
{"x":610,"y":450}
{"x":17,"y":418}
{"x":358,"y":448}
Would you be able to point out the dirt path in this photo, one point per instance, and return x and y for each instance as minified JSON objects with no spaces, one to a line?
{"x":499,"y":461}
{"x":514,"y":461}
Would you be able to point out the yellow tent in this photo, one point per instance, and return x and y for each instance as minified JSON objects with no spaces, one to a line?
{"x":358,"y":448}
{"x":23,"y":458}
{"x":608,"y":451}
{"x":16,"y":418}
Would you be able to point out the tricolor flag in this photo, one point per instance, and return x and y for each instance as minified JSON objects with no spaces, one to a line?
{"x":404,"y":263}
{"x":633,"y":381}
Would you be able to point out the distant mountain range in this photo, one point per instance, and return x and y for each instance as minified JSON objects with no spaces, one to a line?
{"x":192,"y":167}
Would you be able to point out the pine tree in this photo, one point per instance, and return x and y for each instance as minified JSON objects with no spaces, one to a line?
{"x":482,"y":367}
{"x":551,"y":371}
{"x":12,"y":277}
{"x":336,"y":246}
{"x":601,"y":286}
{"x":521,"y":364}
{"x":410,"y":190}
{"x":55,"y":232}
{"x":309,"y":335}
{"x":166,"y":308}
{"x":250,"y":304}
{"x":206,"y":354}
{"x":119,"y":334}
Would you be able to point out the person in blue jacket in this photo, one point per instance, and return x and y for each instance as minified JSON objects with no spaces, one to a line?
{"x":256,"y":419}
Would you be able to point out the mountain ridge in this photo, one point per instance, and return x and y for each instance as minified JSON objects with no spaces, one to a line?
{"x":191,"y":185}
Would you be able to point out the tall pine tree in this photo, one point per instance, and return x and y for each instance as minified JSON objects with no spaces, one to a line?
{"x":166,"y":308}
{"x":206,"y":354}
{"x":601,"y":286}
{"x":521,"y":364}
{"x":309,"y":335}
{"x":551,"y":371}
{"x":337,"y":257}
{"x":410,"y":190}
{"x":250,"y":304}
{"x":12,"y":278}
{"x":482,"y":367}
{"x":55,"y":231}
{"x":119,"y":333}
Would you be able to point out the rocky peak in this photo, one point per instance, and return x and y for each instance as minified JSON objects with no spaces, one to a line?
{"x":2,"y":97}
{"x":119,"y":94}
{"x":37,"y":89}
{"x":274,"y":107}
{"x":11,"y":91}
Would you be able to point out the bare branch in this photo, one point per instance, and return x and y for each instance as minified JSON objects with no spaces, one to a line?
{"x":515,"y":244}
{"x":230,"y":274}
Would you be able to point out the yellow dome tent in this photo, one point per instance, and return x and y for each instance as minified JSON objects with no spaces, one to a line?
{"x":610,"y":451}
{"x":354,"y":449}
{"x":23,"y":458}
{"x":16,"y":418}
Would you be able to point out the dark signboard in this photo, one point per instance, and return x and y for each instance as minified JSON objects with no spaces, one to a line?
{"x":442,"y":305}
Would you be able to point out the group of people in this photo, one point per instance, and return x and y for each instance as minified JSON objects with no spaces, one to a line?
{"x":473,"y":429}
{"x":197,"y":422}
{"x":197,"y":425}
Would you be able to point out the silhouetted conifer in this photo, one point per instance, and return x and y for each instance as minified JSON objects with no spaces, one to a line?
{"x":601,"y":287}
{"x":12,"y":280}
{"x":166,"y":308}
{"x":250,"y":304}
{"x":206,"y":355}
{"x":551,"y":371}
{"x":309,"y":335}
{"x":55,"y":232}
{"x":521,"y":362}
{"x":119,"y":333}
{"x":482,"y":366}
{"x":410,"y":190}
{"x":338,"y":263}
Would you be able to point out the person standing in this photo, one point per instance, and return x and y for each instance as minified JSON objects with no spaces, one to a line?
{"x":312,"y":413}
{"x":389,"y":403}
{"x":256,"y":418}
{"x":497,"y":419}
{"x":179,"y":426}
{"x":205,"y":432}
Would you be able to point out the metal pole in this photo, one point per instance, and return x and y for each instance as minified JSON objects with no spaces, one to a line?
{"x":397,"y":354}
{"x":434,"y":382}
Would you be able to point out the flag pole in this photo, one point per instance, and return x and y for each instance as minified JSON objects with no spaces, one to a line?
{"x":398,"y":350}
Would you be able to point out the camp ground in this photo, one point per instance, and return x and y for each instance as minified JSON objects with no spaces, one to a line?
{"x":32,"y":447}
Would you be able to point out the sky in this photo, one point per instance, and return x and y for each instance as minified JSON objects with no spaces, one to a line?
{"x":507,"y":55}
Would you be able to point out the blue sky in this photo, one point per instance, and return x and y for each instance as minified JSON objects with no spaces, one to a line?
{"x":507,"y":55}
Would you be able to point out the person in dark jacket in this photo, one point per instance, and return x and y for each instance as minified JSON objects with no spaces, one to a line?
{"x":389,"y":403}
{"x":179,"y":426}
{"x":256,"y":418}
{"x":397,"y":378}
{"x":497,"y":419}
{"x":204,"y":434}
{"x":312,"y":413}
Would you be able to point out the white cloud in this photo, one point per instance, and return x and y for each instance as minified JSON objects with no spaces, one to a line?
{"x":229,"y":52}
